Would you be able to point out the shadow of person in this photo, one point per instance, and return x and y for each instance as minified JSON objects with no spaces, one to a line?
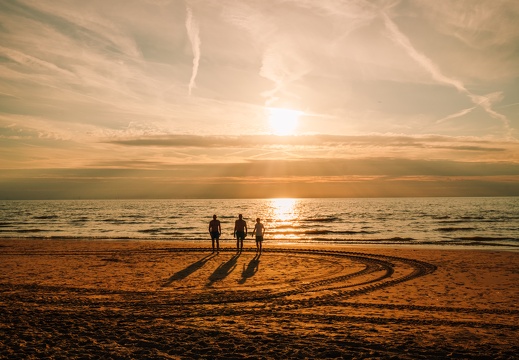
{"x":223,"y":270}
{"x":250,"y":270}
{"x":184,"y":273}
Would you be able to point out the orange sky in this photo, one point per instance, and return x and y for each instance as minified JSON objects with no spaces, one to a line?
{"x":270,"y":98}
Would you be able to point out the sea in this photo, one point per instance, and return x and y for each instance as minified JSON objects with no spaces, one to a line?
{"x":483,"y":222}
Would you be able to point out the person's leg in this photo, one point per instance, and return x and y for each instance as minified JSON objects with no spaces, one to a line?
{"x":239,"y":240}
{"x":217,"y":244}
{"x":212,"y":242}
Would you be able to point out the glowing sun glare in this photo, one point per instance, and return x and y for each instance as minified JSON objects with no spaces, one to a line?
{"x":284,"y":208}
{"x":283,"y":121}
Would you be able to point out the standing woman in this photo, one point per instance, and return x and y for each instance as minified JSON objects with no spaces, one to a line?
{"x":259,"y":230}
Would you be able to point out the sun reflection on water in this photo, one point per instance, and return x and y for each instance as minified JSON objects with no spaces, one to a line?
{"x":283,"y":209}
{"x":284,"y":214}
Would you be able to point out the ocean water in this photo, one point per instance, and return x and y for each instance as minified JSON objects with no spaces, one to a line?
{"x":483,"y":222}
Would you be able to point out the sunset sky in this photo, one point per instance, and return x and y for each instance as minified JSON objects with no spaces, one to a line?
{"x":258,"y":98}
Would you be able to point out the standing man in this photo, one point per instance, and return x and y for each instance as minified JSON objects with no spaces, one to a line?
{"x":240,"y":231}
{"x":215,"y":230}
{"x":259,"y":230}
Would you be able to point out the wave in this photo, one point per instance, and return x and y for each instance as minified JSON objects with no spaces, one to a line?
{"x":80,"y":220}
{"x":323,"y":232}
{"x":23,"y":231}
{"x":115,"y":221}
{"x":392,"y":240}
{"x":486,"y":238}
{"x":465,"y":221}
{"x":46,"y":217}
{"x":294,"y":227}
{"x":453,"y":229}
{"x":152,"y":231}
{"x":123,"y":222}
{"x":136,"y":216}
{"x":353,"y":232}
{"x":323,"y":219}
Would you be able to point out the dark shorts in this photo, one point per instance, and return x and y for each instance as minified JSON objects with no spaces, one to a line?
{"x":259,"y":238}
{"x":240,"y":235}
{"x":215,"y":235}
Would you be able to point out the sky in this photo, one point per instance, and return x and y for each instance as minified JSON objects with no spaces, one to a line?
{"x":258,"y":98}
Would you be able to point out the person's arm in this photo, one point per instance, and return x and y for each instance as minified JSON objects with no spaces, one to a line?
{"x":254,"y":231}
{"x":219,"y":229}
{"x":245,"y":223}
{"x":234,"y":231}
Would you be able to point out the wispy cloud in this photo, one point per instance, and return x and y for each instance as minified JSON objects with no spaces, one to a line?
{"x":478,"y":23}
{"x":485,"y":102}
{"x":282,"y":59}
{"x":193,"y":32}
{"x":509,"y":105}
{"x":456,"y":115}
{"x":403,"y":41}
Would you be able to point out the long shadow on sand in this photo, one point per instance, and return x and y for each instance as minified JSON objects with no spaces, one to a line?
{"x":223,"y":270}
{"x":184,"y":273}
{"x":250,"y":270}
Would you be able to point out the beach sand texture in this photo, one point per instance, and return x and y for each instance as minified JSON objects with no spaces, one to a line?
{"x":175,"y":300}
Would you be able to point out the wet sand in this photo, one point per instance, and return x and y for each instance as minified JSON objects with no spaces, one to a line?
{"x":176,"y":300}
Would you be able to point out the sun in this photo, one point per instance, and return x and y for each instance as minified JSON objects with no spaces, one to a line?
{"x":283,"y":121}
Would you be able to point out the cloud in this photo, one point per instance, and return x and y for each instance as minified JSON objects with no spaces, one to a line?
{"x":283,"y":61}
{"x":456,"y":115}
{"x":193,"y":32}
{"x":403,"y":41}
{"x":239,"y":149}
{"x":478,"y":23}
{"x":214,"y":141}
{"x":264,"y":179}
{"x":485,"y":102}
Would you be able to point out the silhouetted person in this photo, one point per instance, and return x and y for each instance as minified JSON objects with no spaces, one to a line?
{"x":259,"y":230}
{"x":215,"y":230}
{"x":240,"y":231}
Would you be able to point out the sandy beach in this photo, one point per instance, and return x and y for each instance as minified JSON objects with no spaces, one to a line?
{"x":178,"y":300}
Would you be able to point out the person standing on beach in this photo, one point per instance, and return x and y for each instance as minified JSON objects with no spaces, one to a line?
{"x":215,"y":230}
{"x":240,"y":231}
{"x":259,"y":230}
